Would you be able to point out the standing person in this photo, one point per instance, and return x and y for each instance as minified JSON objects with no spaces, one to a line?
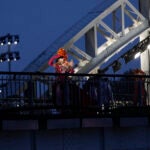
{"x":61,"y":86}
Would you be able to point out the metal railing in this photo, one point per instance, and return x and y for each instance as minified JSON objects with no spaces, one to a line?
{"x":71,"y":94}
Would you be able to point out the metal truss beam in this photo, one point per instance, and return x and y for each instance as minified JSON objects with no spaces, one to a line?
{"x":102,"y":19}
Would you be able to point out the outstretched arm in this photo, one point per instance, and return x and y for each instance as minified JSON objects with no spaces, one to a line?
{"x":51,"y":60}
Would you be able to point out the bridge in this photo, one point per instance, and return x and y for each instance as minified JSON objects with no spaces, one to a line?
{"x":98,"y":110}
{"x":101,"y":37}
{"x":92,"y":41}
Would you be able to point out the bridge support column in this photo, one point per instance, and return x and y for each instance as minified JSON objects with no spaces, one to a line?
{"x":145,"y":57}
{"x":90,"y":42}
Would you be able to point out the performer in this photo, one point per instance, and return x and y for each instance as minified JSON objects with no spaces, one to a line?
{"x":60,"y":88}
{"x":61,"y":65}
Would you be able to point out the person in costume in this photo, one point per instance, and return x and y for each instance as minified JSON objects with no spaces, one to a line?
{"x":61,"y":65}
{"x":61,"y":88}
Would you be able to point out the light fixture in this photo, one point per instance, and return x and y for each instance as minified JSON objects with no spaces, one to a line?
{"x":9,"y":39}
{"x":116,"y":65}
{"x":16,"y":39}
{"x":148,"y":46}
{"x":102,"y":71}
{"x":137,"y":55}
{"x":128,"y":57}
{"x":17,"y":56}
{"x":131,"y":54}
{"x":2,"y":41}
{"x":143,"y":44}
{"x":3,"y":57}
{"x":1,"y":60}
{"x":10,"y":57}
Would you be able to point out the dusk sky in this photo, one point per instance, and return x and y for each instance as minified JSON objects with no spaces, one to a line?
{"x":38,"y":23}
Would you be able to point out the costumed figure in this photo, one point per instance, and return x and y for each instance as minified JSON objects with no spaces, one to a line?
{"x":61,"y":65}
{"x":61,"y":88}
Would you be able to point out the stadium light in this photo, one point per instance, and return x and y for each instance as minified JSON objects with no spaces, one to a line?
{"x":8,"y":40}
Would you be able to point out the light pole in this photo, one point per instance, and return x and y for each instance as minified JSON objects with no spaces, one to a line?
{"x":8,"y":55}
{"x":9,"y":62}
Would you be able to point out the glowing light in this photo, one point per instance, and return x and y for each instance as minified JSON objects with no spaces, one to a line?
{"x":148,"y":47}
{"x":137,"y":55}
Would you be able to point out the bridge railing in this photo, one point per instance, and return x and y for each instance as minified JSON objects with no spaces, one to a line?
{"x":50,"y":93}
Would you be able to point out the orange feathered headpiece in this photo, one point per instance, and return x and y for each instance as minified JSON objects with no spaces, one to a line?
{"x":62,"y":52}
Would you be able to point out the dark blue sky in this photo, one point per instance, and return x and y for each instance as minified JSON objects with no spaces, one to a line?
{"x":38,"y":23}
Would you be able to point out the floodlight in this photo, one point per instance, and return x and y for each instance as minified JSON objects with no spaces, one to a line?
{"x":16,"y":39}
{"x":9,"y":38}
{"x":17,"y":56}
{"x":116,"y":66}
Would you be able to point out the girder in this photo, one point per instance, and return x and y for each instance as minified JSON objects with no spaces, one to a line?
{"x":112,"y":50}
{"x":115,"y":24}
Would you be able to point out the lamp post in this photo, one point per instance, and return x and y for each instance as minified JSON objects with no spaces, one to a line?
{"x":9,"y":56}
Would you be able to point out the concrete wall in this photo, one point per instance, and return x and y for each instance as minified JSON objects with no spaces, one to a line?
{"x":107,"y":138}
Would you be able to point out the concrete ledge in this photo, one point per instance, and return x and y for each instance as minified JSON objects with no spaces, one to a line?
{"x":19,"y":125}
{"x":134,"y":121}
{"x":97,"y":122}
{"x":63,"y":123}
{"x":73,"y":123}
